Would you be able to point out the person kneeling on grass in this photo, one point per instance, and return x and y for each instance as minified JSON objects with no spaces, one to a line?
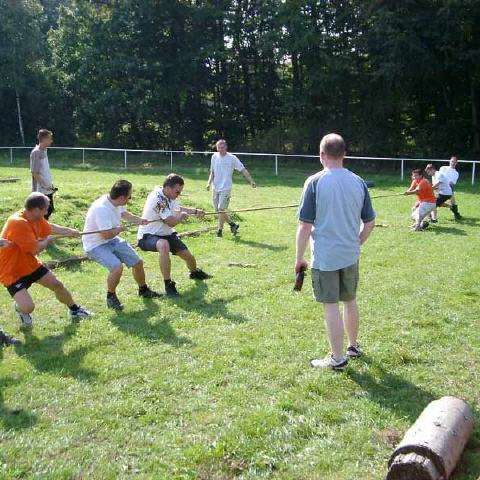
{"x":159,"y":236}
{"x":29,"y":233}
{"x":426,"y":201}
{"x":107,"y":248}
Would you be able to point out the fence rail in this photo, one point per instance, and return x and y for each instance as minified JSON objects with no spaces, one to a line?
{"x":275,"y":156}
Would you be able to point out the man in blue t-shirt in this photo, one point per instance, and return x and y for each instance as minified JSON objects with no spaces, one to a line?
{"x":335,"y":204}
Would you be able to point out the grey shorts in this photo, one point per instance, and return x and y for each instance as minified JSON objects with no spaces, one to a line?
{"x":113,"y":253}
{"x":221,"y":200}
{"x":335,"y":286}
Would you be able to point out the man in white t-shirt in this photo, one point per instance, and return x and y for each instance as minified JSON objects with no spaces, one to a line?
{"x":107,"y":248}
{"x":452,"y":174}
{"x":163,"y":212}
{"x":41,"y":176}
{"x":222,"y":166}
{"x":441,"y":185}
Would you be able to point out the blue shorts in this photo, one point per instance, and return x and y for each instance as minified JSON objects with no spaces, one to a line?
{"x":113,"y":253}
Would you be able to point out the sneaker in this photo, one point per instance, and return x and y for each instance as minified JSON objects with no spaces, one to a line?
{"x":425,"y":224}
{"x":354,"y":351}
{"x":234,"y":228}
{"x":114,"y":302}
{"x":149,"y":294}
{"x":199,"y":275}
{"x":434,"y":220}
{"x":457,"y":216}
{"x":81,"y":313}
{"x":219,"y":233}
{"x":417,"y":228}
{"x":330,"y":362}
{"x":26,"y":320}
{"x":171,"y":290}
{"x":6,"y":340}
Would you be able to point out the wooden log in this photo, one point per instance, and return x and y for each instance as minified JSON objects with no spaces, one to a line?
{"x":242,"y":265}
{"x":52,"y":264}
{"x":432,"y":447}
{"x":9,"y":180}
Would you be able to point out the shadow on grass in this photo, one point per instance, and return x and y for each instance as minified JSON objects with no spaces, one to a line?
{"x":194,"y":301}
{"x":13,"y":418}
{"x":48,"y":355}
{"x":266,"y":246}
{"x":440,"y":229}
{"x":143,"y":324}
{"x":391,"y":391}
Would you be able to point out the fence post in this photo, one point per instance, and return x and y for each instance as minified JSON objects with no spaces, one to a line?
{"x":276,"y":165}
{"x":473,"y":172}
{"x":11,"y":156}
{"x":401,"y":169}
{"x":125,"y":159}
{"x":83,"y":157}
{"x":171,"y":161}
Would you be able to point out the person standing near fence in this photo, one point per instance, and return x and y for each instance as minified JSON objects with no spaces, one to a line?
{"x":222,"y":167}
{"x":336,"y":213}
{"x":41,"y":175}
{"x":452,"y":175}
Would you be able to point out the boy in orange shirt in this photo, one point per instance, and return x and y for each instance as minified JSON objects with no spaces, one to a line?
{"x":29,"y":234}
{"x":426,"y":201}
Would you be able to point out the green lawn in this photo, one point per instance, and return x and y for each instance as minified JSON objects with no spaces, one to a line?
{"x":217,"y":384}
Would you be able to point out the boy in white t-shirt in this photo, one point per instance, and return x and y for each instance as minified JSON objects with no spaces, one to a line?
{"x":223,"y":164}
{"x":441,"y":185}
{"x":162,"y":210}
{"x":107,"y":248}
{"x":452,"y":174}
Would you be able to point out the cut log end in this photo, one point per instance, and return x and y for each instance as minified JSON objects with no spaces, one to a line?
{"x":412,"y":466}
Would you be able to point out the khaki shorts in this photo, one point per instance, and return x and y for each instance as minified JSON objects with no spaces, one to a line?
{"x":423,"y":210}
{"x":335,"y":286}
{"x":221,"y":200}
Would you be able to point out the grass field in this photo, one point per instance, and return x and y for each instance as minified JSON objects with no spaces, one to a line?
{"x":216,"y":384}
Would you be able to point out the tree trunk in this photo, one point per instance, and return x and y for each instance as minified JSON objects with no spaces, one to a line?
{"x":20,"y":122}
{"x":473,"y":101}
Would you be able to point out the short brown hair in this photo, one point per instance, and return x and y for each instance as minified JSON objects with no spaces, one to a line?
{"x":172,"y":180}
{"x":333,"y":145}
{"x":121,"y":188}
{"x":417,"y":171}
{"x":36,"y":200}
{"x":44,"y":133}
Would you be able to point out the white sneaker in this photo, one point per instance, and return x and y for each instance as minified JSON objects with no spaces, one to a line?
{"x":80,"y":313}
{"x":26,"y":321}
{"x":330,"y":362}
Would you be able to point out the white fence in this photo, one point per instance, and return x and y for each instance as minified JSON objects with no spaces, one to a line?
{"x":275,"y":156}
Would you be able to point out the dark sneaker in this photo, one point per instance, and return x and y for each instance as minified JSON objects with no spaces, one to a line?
{"x":149,"y":294}
{"x":219,"y":233}
{"x":114,"y":302}
{"x":434,"y":220}
{"x":330,"y":362}
{"x":457,"y":216}
{"x":171,"y":290}
{"x":234,"y":228}
{"x":199,"y":275}
{"x":6,"y":340}
{"x":354,"y":351}
{"x":81,"y":313}
{"x":26,"y":321}
{"x":425,"y":224}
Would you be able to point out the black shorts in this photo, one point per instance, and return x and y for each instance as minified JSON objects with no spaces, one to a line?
{"x":148,"y":243}
{"x":27,"y":281}
{"x":441,"y":199}
{"x":51,"y":206}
